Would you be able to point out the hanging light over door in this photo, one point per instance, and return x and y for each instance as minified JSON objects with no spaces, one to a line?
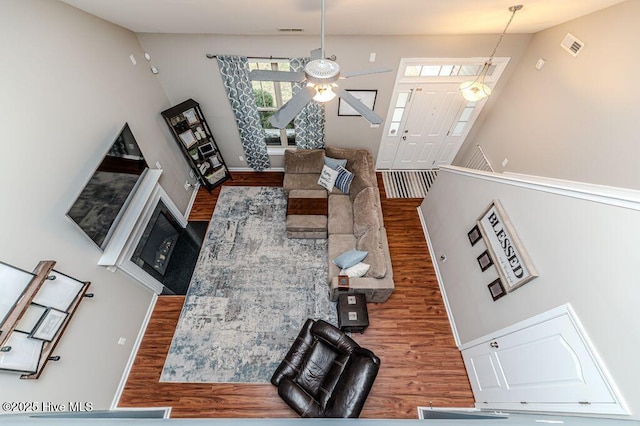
{"x":477,"y":89}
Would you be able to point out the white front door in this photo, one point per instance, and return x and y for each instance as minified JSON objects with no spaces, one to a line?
{"x":545,"y":364}
{"x":432,"y":110}
{"x":428,"y":118}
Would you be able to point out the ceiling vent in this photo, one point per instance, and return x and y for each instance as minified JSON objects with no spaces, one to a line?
{"x":571,"y":44}
{"x":290,"y":30}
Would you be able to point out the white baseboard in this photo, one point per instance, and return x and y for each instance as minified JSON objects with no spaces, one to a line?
{"x":434,"y":260}
{"x":134,"y":353}
{"x":249,"y":169}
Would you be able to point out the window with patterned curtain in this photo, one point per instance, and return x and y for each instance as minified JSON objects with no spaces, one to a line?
{"x":235,"y":76}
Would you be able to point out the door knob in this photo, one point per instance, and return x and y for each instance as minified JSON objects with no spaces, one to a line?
{"x":404,"y":138}
{"x":494,"y":345}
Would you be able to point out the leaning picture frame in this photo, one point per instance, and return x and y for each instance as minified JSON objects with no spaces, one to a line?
{"x":191,"y":116}
{"x":514,"y":266}
{"x":367,"y":97}
{"x":188,"y":138}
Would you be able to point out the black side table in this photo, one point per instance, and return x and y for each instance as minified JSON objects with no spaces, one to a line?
{"x":352,"y":313}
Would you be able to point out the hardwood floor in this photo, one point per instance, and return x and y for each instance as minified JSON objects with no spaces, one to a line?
{"x":410,"y":333}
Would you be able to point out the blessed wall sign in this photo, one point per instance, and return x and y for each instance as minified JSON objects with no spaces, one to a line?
{"x":512,"y":261}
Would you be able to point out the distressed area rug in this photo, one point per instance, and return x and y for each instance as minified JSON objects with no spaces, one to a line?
{"x":251,"y":292}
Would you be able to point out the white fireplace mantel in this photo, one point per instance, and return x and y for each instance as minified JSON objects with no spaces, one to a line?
{"x":125,"y":238}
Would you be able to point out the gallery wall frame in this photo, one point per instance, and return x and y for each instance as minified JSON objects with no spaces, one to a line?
{"x":367,"y":97}
{"x":512,"y":261}
{"x":496,"y":289}
{"x":484,"y":260}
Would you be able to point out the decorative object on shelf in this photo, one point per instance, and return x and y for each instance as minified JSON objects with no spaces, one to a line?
{"x":496,"y":289}
{"x":512,"y":261}
{"x":484,"y":260}
{"x":193,"y":135}
{"x":367,"y":97}
{"x":474,"y":235}
{"x":37,"y":316}
{"x":477,"y":89}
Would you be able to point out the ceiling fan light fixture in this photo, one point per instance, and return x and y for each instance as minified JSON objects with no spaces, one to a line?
{"x":476,"y":90}
{"x":324,"y":93}
{"x":322,"y":71}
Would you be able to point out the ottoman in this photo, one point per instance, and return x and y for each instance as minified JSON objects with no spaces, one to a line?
{"x":307,"y":213}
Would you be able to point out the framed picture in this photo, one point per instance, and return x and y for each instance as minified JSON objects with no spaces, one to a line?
{"x":58,"y":293}
{"x":474,"y":235}
{"x":484,"y":260}
{"x":512,"y":261}
{"x":367,"y":97}
{"x":206,"y":149}
{"x":191,"y":116}
{"x":31,"y":317}
{"x":14,"y":281}
{"x":49,"y":325}
{"x":24,"y":355}
{"x":188,"y":138}
{"x":496,"y":289}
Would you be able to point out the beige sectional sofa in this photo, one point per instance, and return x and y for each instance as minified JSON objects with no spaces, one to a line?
{"x":354,"y":220}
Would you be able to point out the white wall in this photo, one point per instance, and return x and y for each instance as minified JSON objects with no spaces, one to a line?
{"x":185,"y":73}
{"x":68,"y":87}
{"x":577,"y":118}
{"x":585,"y":253}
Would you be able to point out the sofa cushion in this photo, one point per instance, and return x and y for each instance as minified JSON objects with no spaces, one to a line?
{"x":294,"y":181}
{"x":334,"y":162}
{"x":328,"y":177}
{"x":349,"y":258}
{"x":303,"y":161}
{"x":365,"y":211}
{"x":340,"y":214}
{"x":356,"y":271}
{"x":343,"y":181}
{"x":371,"y":242}
{"x":338,"y":244}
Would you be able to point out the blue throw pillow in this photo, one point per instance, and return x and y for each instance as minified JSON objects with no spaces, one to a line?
{"x":350,"y":258}
{"x":335,"y":162}
{"x":343,"y":181}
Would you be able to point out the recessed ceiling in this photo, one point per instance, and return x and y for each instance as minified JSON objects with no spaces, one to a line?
{"x":352,"y":17}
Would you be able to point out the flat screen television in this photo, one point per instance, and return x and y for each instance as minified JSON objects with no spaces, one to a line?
{"x":105,"y":197}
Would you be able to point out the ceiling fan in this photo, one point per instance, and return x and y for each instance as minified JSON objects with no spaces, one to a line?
{"x":320,"y":75}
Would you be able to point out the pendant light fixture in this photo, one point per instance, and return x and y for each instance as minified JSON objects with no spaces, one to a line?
{"x":477,"y":89}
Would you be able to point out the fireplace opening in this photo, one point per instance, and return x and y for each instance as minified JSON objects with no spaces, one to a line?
{"x":160,"y":244}
{"x":168,"y":252}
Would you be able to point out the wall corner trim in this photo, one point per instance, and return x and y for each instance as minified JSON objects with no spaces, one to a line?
{"x":134,"y":352}
{"x":434,"y":260}
{"x":614,"y":196}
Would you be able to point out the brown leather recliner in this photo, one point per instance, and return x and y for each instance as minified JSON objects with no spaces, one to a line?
{"x":326,"y":373}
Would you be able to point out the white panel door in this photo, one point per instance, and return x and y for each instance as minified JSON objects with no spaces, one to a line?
{"x":433,"y":109}
{"x":544,"y":363}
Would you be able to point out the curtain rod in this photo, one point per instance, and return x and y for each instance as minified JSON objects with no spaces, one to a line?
{"x":211,"y":56}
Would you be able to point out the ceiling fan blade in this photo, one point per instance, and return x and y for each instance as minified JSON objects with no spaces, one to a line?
{"x":357,"y":73}
{"x":358,"y":105}
{"x":316,"y":53}
{"x":288,"y":112}
{"x":266,"y":75}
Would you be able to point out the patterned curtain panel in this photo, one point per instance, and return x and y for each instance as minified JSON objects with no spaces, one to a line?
{"x":309,"y":124}
{"x":235,"y":76}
